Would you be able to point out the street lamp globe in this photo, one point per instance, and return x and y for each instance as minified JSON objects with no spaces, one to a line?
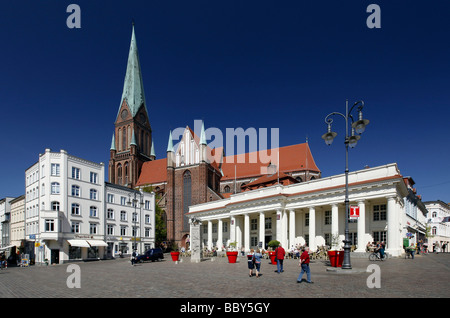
{"x":360,"y":124}
{"x":329,"y":136}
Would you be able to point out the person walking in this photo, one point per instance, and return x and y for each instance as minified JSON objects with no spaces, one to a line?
{"x":251,"y":262}
{"x":133,"y":258}
{"x":279,"y":254}
{"x":304,"y":264}
{"x":258,"y":257}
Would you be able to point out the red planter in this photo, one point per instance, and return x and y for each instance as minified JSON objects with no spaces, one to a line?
{"x":175,"y":256}
{"x":232,"y":257}
{"x":336,"y":258}
{"x":272,"y":258}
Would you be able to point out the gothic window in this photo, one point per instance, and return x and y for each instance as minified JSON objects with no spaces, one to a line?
{"x":227,"y":189}
{"x":124,"y":139}
{"x":126,"y":173}
{"x":186,"y":198}
{"x":119,"y":173}
{"x":119,"y":134}
{"x":142,"y":142}
{"x":129,"y":136}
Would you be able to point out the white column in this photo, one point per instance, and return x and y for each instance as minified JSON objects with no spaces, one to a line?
{"x":209,"y":234}
{"x":262,"y":231}
{"x":247,"y":232}
{"x":285,"y":229}
{"x":334,"y":220}
{"x":238,"y":221}
{"x":291,"y":228}
{"x":361,"y":228}
{"x":394,"y":241}
{"x":220,"y":235}
{"x":312,"y":229}
{"x":279,"y":235}
{"x":232,"y":230}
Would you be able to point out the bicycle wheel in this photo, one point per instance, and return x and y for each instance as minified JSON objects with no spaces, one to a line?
{"x":385,"y":257}
{"x":373,"y":257}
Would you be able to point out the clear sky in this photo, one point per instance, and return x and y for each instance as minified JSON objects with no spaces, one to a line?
{"x":254,"y":63}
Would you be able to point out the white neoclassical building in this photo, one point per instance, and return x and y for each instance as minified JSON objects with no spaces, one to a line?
{"x":311,"y":212}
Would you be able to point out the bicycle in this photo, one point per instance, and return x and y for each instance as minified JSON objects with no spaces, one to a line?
{"x":376,"y":256}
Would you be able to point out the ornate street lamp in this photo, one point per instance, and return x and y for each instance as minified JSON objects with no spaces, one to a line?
{"x":135,"y":201}
{"x":357,"y":126}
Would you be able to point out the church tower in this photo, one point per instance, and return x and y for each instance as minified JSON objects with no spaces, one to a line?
{"x":131,"y":143}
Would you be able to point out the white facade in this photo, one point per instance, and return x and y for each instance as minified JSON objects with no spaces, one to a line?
{"x":129,"y":219}
{"x":17,"y":221}
{"x":311,"y":212}
{"x":5,"y":215}
{"x":66,"y":209}
{"x":439,"y":226}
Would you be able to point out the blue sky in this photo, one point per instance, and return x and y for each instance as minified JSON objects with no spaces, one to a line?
{"x":263,"y":64}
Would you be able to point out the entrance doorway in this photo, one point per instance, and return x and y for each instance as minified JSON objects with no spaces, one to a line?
{"x":267,"y":239}
{"x":54,"y":257}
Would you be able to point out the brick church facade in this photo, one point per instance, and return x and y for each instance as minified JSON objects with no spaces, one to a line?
{"x":192,"y":173}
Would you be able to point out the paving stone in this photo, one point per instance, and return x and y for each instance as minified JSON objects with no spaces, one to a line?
{"x":425,"y":276}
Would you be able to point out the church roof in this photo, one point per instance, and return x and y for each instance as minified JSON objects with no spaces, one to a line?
{"x":250,"y":165}
{"x":152,"y":172}
{"x":133,"y":87}
{"x":270,"y":179}
{"x":292,"y":158}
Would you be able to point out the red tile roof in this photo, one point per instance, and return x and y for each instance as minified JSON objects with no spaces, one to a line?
{"x":268,"y":180}
{"x":249,"y":165}
{"x":152,"y":172}
{"x":292,"y":158}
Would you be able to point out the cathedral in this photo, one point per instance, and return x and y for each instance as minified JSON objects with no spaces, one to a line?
{"x":191,"y":173}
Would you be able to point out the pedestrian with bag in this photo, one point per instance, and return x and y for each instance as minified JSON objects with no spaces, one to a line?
{"x":304,"y":263}
{"x":279,"y":254}
{"x":251,"y":262}
{"x":258,"y":257}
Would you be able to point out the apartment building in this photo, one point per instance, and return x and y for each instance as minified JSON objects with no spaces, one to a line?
{"x":68,"y":211}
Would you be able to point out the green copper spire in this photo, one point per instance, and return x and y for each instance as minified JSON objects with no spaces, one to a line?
{"x":113,"y":143}
{"x":133,"y":139}
{"x":170,"y":143}
{"x":152,"y":151}
{"x":133,"y":87}
{"x":203,"y":135}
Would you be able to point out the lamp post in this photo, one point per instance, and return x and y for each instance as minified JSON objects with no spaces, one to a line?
{"x":358,"y":126}
{"x":135,"y":201}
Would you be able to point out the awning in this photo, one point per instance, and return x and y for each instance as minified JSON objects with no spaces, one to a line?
{"x":78,"y":243}
{"x":6,"y":247}
{"x":96,"y":243}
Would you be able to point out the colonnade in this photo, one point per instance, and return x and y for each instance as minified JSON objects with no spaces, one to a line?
{"x":287,"y":225}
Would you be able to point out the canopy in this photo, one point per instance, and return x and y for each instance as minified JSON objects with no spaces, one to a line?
{"x":96,"y":243}
{"x":78,"y":243}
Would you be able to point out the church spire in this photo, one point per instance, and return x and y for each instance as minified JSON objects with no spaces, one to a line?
{"x":133,"y":87}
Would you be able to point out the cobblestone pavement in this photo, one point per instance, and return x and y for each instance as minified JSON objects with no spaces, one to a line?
{"x":425,"y":276}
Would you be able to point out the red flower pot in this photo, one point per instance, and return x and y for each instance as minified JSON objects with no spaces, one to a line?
{"x":272,"y":258}
{"x":336,"y":258}
{"x":232,"y":257}
{"x":175,"y":256}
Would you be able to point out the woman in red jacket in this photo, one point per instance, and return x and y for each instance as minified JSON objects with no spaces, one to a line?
{"x":304,"y":263}
{"x":279,"y":254}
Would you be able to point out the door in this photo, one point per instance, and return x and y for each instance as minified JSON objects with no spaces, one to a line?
{"x":267,"y":239}
{"x":54,"y":257}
